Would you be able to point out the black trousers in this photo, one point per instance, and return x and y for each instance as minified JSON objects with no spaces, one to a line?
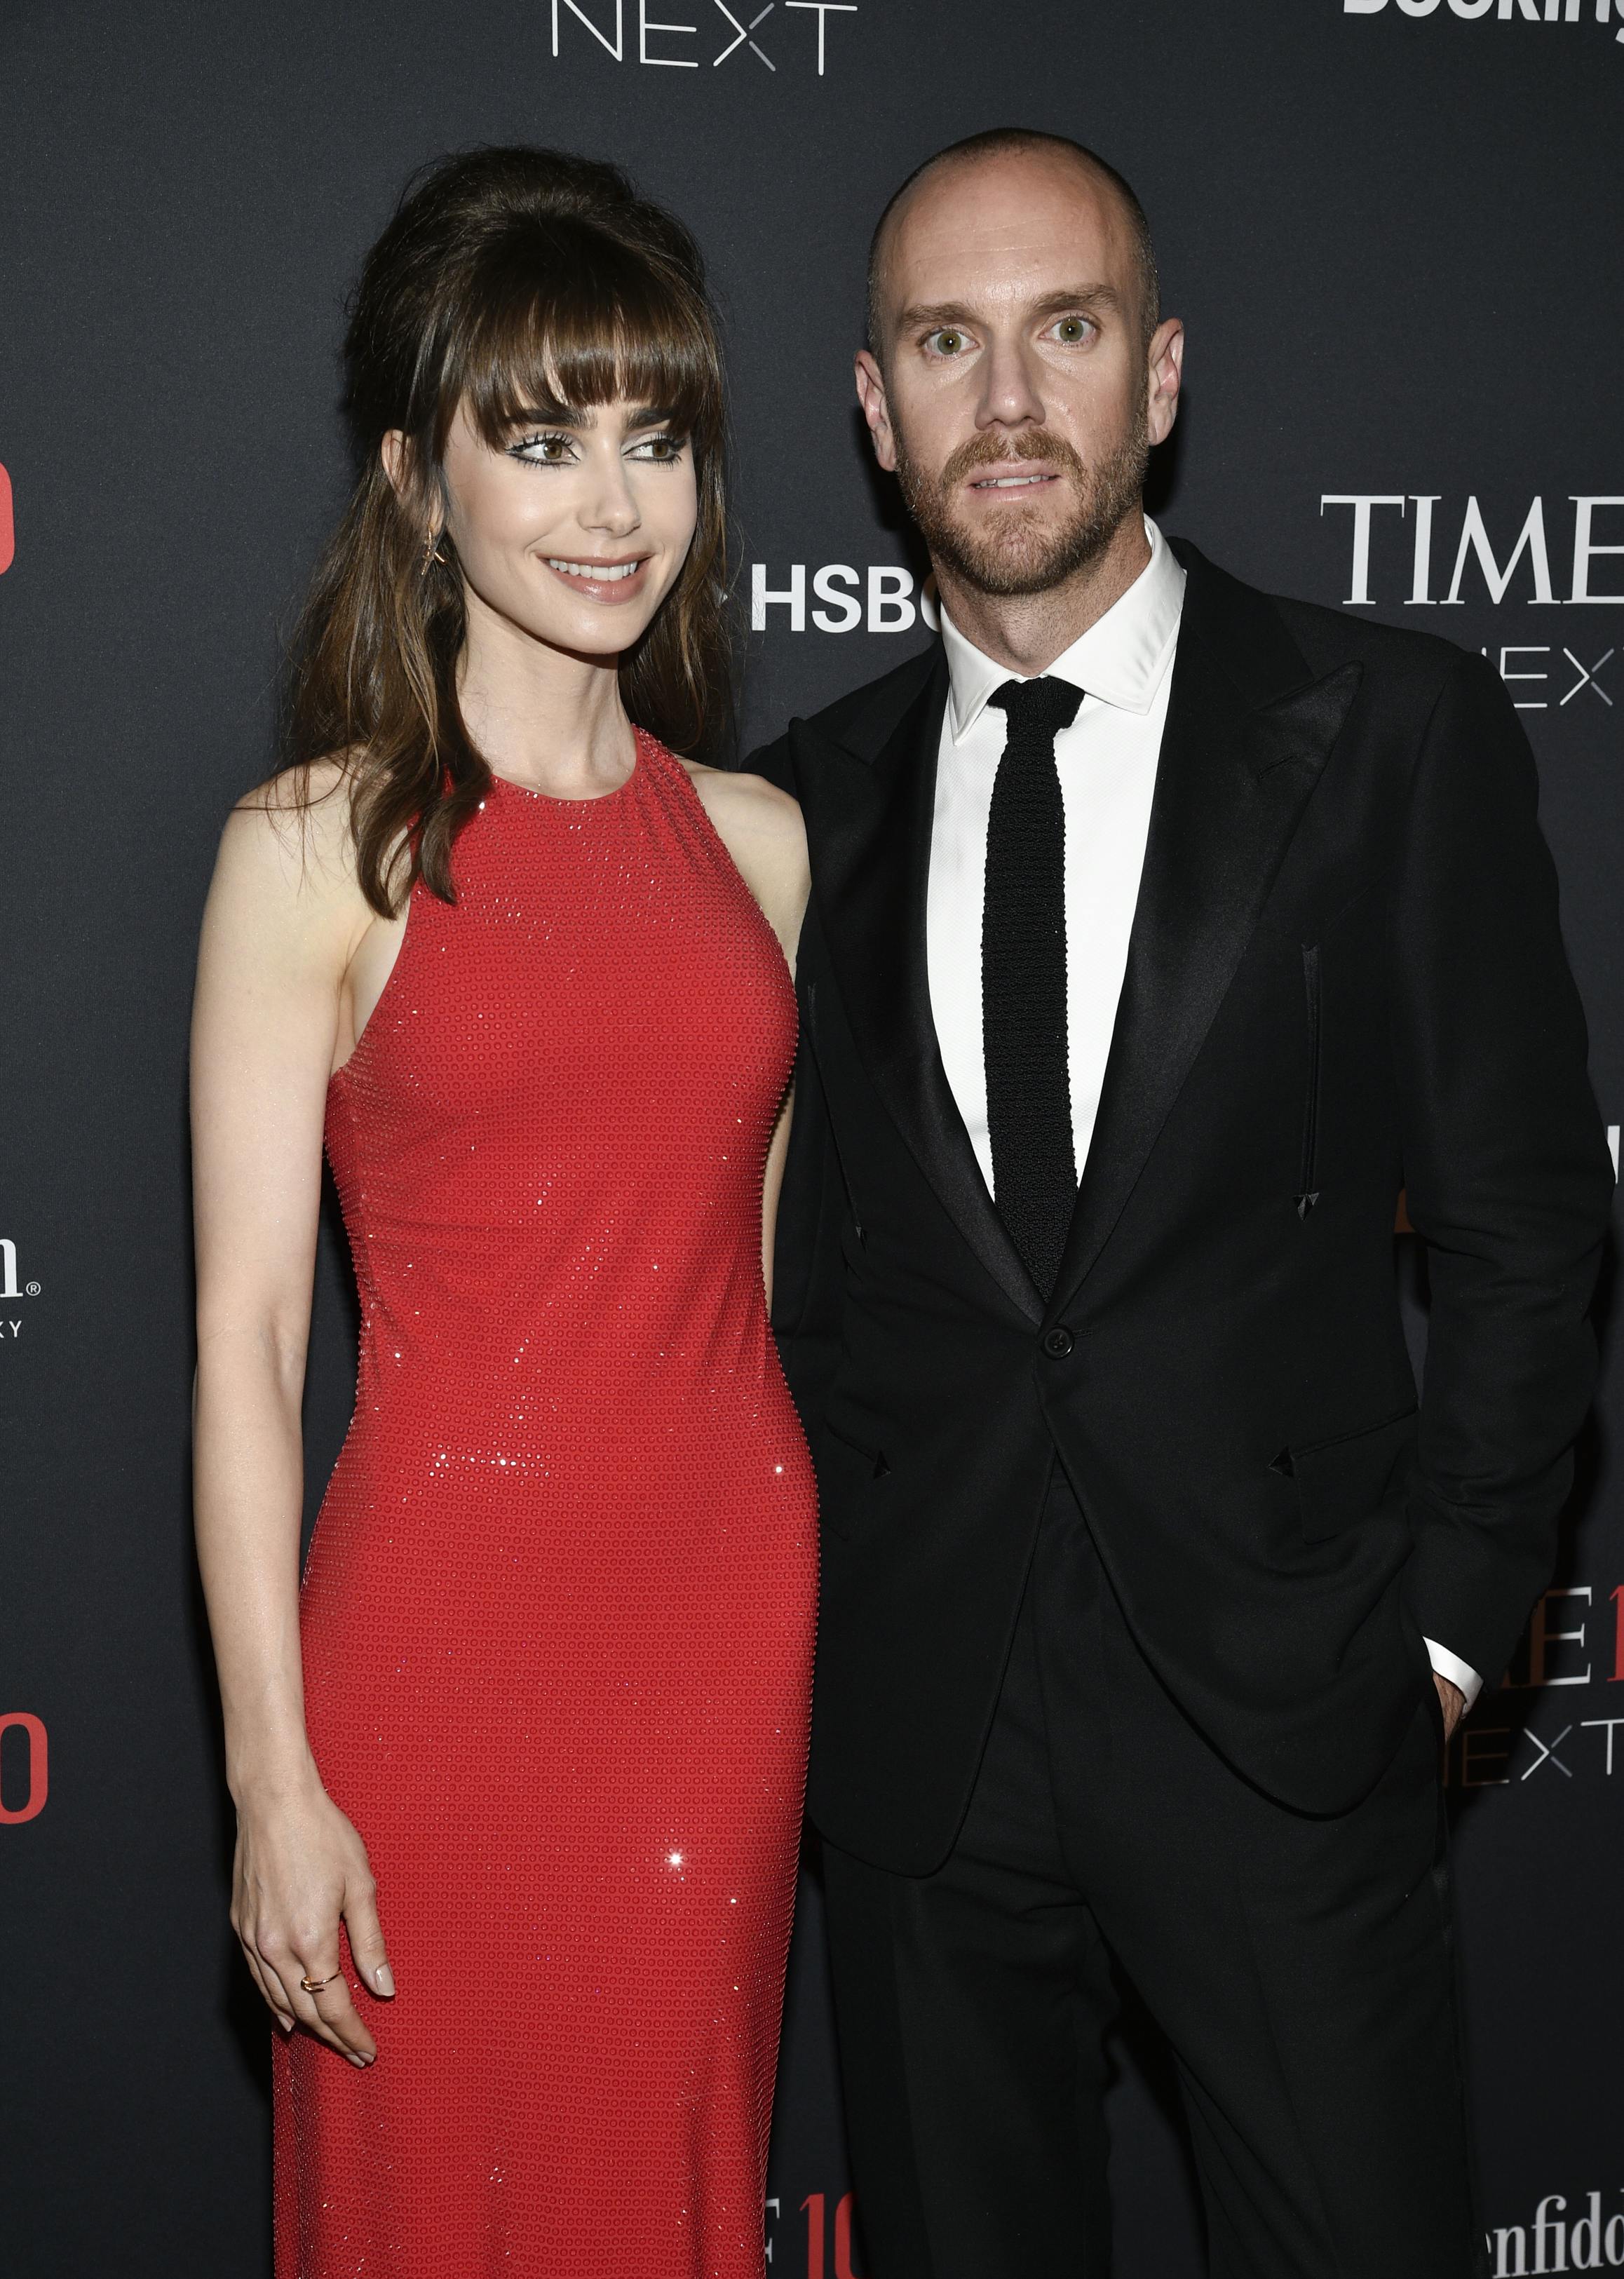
{"x":1302,"y":1970}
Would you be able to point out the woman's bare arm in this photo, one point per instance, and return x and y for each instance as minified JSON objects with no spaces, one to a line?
{"x":761,"y":829}
{"x":281,"y":926}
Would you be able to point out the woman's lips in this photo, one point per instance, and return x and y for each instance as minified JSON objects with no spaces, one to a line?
{"x":601,"y":581}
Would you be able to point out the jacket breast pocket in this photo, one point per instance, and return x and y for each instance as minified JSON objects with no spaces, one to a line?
{"x":1348,"y":1479}
{"x":851,"y":1483}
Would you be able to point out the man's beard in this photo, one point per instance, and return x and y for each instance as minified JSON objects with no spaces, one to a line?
{"x":1013,"y":552}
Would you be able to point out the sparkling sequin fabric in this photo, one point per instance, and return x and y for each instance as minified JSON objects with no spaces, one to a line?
{"x":559,"y":1613}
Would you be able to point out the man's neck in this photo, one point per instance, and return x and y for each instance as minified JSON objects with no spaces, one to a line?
{"x":1025,"y":632}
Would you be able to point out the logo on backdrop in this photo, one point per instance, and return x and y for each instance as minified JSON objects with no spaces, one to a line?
{"x":746,"y":35}
{"x":818,"y":2239}
{"x":8,"y":543}
{"x":26,"y":1792}
{"x":1574,"y":1643}
{"x":1526,"y":12}
{"x":13,"y":1290}
{"x":1508,"y":566}
{"x":881,"y":599}
{"x":1589,"y":2236}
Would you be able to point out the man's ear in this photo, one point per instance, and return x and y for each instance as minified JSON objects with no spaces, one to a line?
{"x":876,"y":410}
{"x":1165,"y":360}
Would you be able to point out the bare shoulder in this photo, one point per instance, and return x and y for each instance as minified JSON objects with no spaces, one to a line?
{"x":300,"y":812}
{"x":761,"y":828}
{"x":286,"y":858}
{"x":750,"y":805}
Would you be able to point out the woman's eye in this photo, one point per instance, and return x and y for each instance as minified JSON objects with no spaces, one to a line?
{"x":1071,"y":331}
{"x":544,"y":450}
{"x":659,"y":450}
{"x":947,"y":341}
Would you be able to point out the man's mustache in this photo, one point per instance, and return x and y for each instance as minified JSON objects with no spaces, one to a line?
{"x":992,"y":452}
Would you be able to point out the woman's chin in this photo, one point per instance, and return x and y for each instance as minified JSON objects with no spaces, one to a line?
{"x":577,"y":626}
{"x":589,"y":632}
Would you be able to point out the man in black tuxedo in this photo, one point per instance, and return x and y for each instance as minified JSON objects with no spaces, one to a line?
{"x":1162,"y":932}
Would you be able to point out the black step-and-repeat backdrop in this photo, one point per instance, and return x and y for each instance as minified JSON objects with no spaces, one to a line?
{"x":1393,"y":227}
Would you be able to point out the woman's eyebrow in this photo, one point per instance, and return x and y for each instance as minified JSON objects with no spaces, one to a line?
{"x":555,"y":415}
{"x":585,"y":415}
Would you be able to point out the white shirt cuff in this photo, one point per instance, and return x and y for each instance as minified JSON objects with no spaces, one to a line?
{"x":1458,"y":1672}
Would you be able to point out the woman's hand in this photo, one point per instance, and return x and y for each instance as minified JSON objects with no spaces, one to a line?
{"x":301,"y":1868}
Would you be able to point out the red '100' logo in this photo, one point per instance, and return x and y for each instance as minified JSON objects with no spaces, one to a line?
{"x":39,"y":1785}
{"x":8,"y":543}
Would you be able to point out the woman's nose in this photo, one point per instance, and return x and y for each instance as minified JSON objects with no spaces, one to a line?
{"x":612,"y":509}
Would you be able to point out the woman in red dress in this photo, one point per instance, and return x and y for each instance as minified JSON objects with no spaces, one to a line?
{"x":519,"y":1768}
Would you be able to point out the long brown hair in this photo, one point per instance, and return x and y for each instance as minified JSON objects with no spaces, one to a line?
{"x":519,"y":282}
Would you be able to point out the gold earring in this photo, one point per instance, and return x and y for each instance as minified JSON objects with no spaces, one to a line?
{"x":431,"y":552}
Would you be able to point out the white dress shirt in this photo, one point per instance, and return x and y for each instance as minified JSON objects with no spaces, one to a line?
{"x":1106,"y":761}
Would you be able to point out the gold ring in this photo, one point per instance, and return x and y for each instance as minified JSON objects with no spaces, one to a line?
{"x":315,"y":1985}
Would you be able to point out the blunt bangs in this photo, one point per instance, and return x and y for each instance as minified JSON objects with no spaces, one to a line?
{"x":561,"y":317}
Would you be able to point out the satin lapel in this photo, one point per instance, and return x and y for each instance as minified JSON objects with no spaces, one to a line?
{"x":1231,"y":786}
{"x":869,"y":823}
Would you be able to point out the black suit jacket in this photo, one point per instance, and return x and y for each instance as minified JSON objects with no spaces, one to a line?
{"x":1346,"y":977}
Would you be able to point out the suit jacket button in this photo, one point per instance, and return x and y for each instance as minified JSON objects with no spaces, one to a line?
{"x":1058,"y":1342}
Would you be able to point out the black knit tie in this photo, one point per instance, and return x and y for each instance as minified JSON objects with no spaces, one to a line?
{"x":1024,"y":979}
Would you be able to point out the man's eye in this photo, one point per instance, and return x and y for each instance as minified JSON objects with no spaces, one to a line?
{"x":947,"y":341}
{"x":1070,"y":331}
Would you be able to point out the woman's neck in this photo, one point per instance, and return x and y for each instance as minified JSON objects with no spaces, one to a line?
{"x":549,"y":718}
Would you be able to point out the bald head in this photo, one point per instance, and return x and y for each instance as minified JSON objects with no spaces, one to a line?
{"x":998,"y":146}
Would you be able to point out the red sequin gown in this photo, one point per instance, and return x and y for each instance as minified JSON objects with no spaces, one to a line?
{"x":558,"y":1616}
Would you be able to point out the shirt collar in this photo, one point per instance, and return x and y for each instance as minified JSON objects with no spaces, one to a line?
{"x":1122,"y":659}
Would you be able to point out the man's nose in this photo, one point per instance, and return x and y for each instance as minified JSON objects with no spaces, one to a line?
{"x":1009,"y":396}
